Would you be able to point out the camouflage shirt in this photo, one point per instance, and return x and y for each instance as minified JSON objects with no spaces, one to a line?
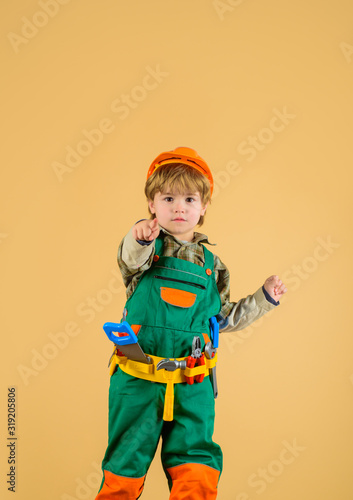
{"x":135,"y":257}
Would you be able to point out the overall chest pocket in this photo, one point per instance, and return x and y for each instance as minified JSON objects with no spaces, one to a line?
{"x":179,"y":301}
{"x":176,"y":296}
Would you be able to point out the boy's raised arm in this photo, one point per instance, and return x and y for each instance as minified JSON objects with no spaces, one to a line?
{"x":146,"y":230}
{"x":138,"y":244}
{"x":245,"y":311}
{"x":236,"y":316}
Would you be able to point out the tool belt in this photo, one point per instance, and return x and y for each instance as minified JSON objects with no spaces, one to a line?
{"x":150,"y":372}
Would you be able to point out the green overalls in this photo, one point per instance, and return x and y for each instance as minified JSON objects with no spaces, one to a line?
{"x":172,"y":302}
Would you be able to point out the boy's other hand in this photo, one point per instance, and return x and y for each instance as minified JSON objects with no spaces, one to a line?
{"x":146,"y":230}
{"x":274,"y":287}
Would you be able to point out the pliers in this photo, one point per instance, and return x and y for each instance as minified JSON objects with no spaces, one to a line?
{"x":197,"y":358}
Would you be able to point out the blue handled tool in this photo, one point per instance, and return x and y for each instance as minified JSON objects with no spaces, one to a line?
{"x":123,"y":327}
{"x":211,"y":349}
{"x":127,"y":343}
{"x":214,"y":331}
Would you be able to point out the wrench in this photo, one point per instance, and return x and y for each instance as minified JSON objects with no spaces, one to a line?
{"x":210,"y":351}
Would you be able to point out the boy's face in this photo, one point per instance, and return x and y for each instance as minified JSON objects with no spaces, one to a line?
{"x":178,"y":213}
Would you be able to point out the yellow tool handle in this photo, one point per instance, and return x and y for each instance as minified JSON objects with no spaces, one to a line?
{"x":169,"y":398}
{"x":148,"y":372}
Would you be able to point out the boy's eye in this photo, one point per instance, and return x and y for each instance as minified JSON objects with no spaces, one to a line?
{"x":190,"y":200}
{"x":168,"y":198}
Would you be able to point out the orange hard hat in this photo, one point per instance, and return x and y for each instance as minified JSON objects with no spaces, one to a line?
{"x":187,"y":156}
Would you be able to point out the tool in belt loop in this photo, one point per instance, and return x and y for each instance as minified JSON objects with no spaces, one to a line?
{"x":162,"y":370}
{"x":197,"y":358}
{"x":211,"y":352}
{"x":133,"y":361}
{"x":170,"y":366}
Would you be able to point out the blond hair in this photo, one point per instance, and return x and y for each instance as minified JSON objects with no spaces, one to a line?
{"x":178,"y":178}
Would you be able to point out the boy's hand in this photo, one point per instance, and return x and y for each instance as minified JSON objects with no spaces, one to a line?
{"x":146,"y":230}
{"x":274,"y":287}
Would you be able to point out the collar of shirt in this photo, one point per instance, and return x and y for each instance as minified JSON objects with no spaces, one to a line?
{"x":198,"y":238}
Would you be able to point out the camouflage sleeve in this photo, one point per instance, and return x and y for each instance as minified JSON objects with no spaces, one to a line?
{"x":134,"y":258}
{"x":238,"y":315}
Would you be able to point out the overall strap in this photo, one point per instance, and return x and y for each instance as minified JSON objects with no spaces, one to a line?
{"x":158,"y":249}
{"x":209,"y":258}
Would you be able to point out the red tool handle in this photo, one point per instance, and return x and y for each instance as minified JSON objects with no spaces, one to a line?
{"x":190,"y":363}
{"x":200,"y":362}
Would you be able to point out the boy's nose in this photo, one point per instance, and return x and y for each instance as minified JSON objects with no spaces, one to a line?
{"x":179,"y":207}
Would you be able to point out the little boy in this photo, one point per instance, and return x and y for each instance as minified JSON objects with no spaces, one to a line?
{"x":174,"y":286}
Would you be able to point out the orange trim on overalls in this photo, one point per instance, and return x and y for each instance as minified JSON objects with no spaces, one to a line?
{"x":179,"y":298}
{"x":120,"y":487}
{"x":195,"y":481}
{"x":206,"y":338}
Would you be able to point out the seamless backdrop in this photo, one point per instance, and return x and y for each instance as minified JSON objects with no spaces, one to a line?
{"x":91,"y":93}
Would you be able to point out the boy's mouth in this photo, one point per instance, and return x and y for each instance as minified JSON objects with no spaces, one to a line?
{"x":178,"y":219}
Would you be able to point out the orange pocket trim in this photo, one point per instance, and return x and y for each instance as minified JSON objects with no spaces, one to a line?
{"x":135,"y":328}
{"x":179,"y":298}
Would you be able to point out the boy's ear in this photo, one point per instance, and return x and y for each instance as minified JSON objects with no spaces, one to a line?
{"x":203,"y":210}
{"x":151,"y":207}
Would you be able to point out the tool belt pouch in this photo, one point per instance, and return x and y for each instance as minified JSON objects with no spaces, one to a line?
{"x":149,"y":372}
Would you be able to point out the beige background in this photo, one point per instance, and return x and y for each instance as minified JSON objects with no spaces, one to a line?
{"x":225,"y":71}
